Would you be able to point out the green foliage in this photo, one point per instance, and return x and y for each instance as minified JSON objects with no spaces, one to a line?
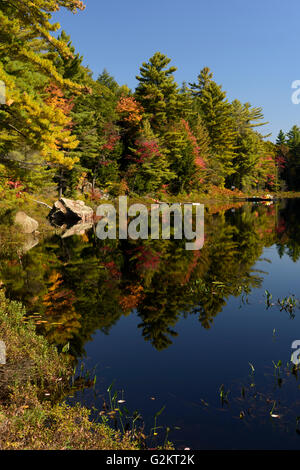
{"x":88,"y":284}
{"x":158,"y":92}
{"x":26,"y":120}
{"x":33,"y":382}
{"x":216,"y":113}
{"x":151,"y":168}
{"x":61,"y":127}
{"x":288,"y":158}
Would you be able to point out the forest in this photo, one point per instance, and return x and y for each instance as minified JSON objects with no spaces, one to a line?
{"x":62,"y":129}
{"x":103,"y":336}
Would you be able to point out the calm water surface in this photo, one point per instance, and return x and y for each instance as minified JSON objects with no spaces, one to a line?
{"x":173,"y":327}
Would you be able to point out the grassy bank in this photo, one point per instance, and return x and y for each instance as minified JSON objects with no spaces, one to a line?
{"x":33,"y":382}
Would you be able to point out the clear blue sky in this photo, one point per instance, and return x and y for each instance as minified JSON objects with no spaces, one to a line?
{"x":251,"y":46}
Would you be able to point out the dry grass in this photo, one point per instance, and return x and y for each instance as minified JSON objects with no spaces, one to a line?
{"x":33,"y":414}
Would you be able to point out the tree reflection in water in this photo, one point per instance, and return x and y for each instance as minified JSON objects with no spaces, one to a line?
{"x":82,"y":284}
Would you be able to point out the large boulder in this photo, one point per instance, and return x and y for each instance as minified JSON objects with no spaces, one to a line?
{"x":26,"y":223}
{"x":68,"y":212}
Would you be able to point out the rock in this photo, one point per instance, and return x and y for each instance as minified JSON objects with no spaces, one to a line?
{"x":31,"y":241}
{"x":27,"y":224}
{"x":68,"y":212}
{"x":78,"y":229}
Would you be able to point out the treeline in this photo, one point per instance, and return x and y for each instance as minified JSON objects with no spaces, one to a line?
{"x":288,"y":157}
{"x":60,"y":125}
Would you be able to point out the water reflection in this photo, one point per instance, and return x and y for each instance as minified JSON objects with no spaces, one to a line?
{"x":81,"y":284}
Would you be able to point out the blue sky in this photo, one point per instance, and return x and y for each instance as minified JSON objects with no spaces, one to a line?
{"x":251,"y":47}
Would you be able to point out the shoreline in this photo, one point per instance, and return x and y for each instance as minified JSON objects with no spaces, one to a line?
{"x":34,"y":383}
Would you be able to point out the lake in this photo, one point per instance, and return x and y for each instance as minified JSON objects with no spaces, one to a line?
{"x":206,"y":334}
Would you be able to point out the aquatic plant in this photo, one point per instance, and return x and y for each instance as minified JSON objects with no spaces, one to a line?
{"x":223,"y":395}
{"x":289,"y":304}
{"x":131,"y":424}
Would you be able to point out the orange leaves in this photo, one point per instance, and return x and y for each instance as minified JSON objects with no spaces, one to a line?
{"x":130,"y":110}
{"x":63,"y":322}
{"x":132,"y":300}
{"x":56,"y":99}
{"x":63,"y":140}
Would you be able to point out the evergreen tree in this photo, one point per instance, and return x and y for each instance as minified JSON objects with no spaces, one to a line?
{"x":158,"y":92}
{"x":151,"y":168}
{"x":282,"y":158}
{"x":250,"y":151}
{"x":204,"y":79}
{"x":216,"y":113}
{"x":109,"y":82}
{"x":203,"y":139}
{"x":281,"y":138}
{"x":293,"y":138}
{"x":249,"y":145}
{"x":26,"y":33}
{"x":293,"y":170}
{"x":184,"y":155}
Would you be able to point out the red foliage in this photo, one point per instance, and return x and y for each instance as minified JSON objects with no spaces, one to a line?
{"x":113,"y":270}
{"x":196,"y":150}
{"x":15,"y":185}
{"x":145,"y":150}
{"x":281,"y":161}
{"x":146,"y":258}
{"x":281,"y":227}
{"x":192,"y":266}
{"x":112,"y":137}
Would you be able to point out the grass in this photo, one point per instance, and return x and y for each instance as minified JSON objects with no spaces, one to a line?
{"x":33,"y":414}
{"x":116,"y":414}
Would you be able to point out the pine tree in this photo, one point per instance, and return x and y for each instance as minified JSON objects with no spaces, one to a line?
{"x":283,"y":157}
{"x":293,"y":170}
{"x":246,"y":117}
{"x":203,"y":139}
{"x":93,"y":116}
{"x":184,"y":157}
{"x":158,"y":92}
{"x":187,"y":110}
{"x":150,"y":170}
{"x":109,"y":82}
{"x":204,"y":79}
{"x":293,"y":138}
{"x":249,"y":153}
{"x":26,"y":118}
{"x":281,"y":138}
{"x":100,"y":147}
{"x":249,"y":148}
{"x":69,"y":66}
{"x":216,"y":113}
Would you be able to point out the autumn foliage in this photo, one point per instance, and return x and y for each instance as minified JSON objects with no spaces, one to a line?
{"x":129,"y":110}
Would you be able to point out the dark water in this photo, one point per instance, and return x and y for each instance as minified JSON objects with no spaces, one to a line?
{"x":173,"y":327}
